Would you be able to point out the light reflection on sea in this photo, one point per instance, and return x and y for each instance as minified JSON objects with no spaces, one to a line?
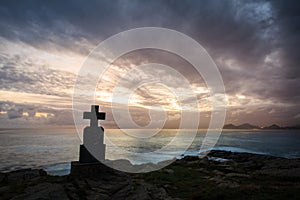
{"x":54,"y":148}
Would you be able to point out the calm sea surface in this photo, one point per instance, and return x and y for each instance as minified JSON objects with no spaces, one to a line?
{"x":53,"y":149}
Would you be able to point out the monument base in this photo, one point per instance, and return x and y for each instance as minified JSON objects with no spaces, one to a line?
{"x":85,"y":156}
{"x":92,"y":170}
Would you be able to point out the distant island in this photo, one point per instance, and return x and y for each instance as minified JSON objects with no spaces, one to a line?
{"x":250,"y":126}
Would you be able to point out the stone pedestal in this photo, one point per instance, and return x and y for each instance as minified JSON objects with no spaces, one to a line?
{"x":94,"y":170}
{"x":85,"y":156}
{"x":93,"y":148}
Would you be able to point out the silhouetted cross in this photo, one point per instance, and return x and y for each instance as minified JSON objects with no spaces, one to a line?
{"x":94,"y":115}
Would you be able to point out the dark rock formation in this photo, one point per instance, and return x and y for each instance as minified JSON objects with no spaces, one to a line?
{"x":250,"y":126}
{"x":238,"y":176}
{"x":229,"y":126}
{"x":273,"y":126}
{"x":242,"y":126}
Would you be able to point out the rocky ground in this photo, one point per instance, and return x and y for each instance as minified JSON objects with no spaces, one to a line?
{"x":238,"y":176}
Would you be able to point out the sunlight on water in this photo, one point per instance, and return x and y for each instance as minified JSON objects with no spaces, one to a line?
{"x":48,"y":148}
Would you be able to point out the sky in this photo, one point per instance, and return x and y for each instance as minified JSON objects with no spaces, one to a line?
{"x":255,"y":45}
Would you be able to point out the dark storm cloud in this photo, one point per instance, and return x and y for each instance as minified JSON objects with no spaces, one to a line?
{"x":67,"y":22}
{"x":215,"y":23}
{"x":288,"y":19}
{"x":226,"y":27}
{"x":239,"y":35}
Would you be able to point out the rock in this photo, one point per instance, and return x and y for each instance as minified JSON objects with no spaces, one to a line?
{"x":217,"y":172}
{"x":228,"y":185}
{"x":204,"y":161}
{"x":187,"y":178}
{"x":43,"y":191}
{"x":237,"y":175}
{"x":148,"y":191}
{"x":24,"y":175}
{"x":4,"y":189}
{"x":202,"y":170}
{"x":216,"y":179}
{"x":42,"y":172}
{"x":169,"y":171}
{"x":190,"y":158}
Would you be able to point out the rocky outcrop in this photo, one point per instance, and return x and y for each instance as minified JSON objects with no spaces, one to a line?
{"x":237,"y":176}
{"x":242,"y":126}
{"x":273,"y":126}
{"x":250,"y":126}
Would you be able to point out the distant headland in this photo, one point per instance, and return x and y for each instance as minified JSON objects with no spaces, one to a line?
{"x":251,"y":126}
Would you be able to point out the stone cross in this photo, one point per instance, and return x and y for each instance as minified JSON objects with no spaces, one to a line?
{"x":93,"y":148}
{"x":94,"y":116}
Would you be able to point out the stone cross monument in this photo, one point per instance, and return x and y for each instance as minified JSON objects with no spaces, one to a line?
{"x":93,"y":148}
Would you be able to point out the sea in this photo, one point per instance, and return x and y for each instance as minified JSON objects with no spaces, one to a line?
{"x":54,"y":148}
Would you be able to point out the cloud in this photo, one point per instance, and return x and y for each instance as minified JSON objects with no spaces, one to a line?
{"x":254,"y":43}
{"x":13,"y":113}
{"x":27,"y":76}
{"x":32,"y":115}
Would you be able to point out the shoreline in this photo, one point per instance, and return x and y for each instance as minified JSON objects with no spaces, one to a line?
{"x":237,"y":176}
{"x":64,"y":168}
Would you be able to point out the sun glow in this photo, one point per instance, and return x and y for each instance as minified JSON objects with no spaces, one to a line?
{"x":43,"y":114}
{"x":240,"y":96}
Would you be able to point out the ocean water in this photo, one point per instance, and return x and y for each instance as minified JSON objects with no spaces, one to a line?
{"x":53,"y":149}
